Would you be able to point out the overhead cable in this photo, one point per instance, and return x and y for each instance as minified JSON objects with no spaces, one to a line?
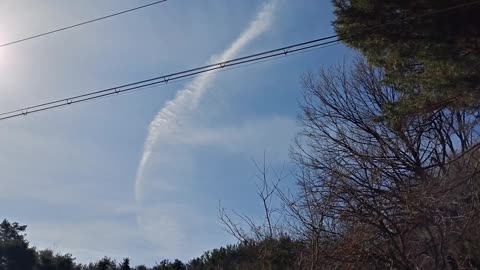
{"x":164,"y":79}
{"x":80,"y":24}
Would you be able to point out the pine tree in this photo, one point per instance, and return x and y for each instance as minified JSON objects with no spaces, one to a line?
{"x":427,"y":48}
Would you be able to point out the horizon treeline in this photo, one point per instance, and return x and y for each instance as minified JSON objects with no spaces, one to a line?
{"x":387,"y":162}
{"x":17,"y":254}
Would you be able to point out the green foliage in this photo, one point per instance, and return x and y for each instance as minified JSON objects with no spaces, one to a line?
{"x":105,"y":264}
{"x":15,"y":252}
{"x":278,"y":254}
{"x":125,"y":265}
{"x":167,"y":265}
{"x":433,"y":56}
{"x":47,"y":260}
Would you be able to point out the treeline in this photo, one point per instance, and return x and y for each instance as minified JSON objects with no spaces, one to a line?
{"x":16,"y":254}
{"x":387,"y":161}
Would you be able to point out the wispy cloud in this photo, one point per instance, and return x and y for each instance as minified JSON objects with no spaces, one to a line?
{"x":186,"y":100}
{"x":175,"y":213}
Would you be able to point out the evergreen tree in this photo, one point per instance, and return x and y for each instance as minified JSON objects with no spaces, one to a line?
{"x":125,"y":265}
{"x":105,"y":264}
{"x":15,"y":253}
{"x":427,"y":48}
{"x":47,"y":260}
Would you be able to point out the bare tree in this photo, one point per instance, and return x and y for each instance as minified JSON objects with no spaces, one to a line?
{"x":275,"y":248}
{"x":376,"y":189}
{"x":379,"y":191}
{"x":242,"y":226}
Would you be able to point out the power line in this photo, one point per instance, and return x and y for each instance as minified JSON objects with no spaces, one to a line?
{"x":164,"y":79}
{"x":183,"y":74}
{"x":333,"y":43}
{"x":80,"y":24}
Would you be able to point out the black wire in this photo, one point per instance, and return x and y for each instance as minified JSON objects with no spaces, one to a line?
{"x":164,"y":79}
{"x":230,"y":68}
{"x":169,"y":77}
{"x":80,"y":24}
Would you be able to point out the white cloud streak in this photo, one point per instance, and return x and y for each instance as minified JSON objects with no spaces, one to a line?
{"x":186,"y":100}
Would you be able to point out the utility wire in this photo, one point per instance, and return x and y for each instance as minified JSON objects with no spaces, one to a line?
{"x":182,"y":74}
{"x":164,"y":79}
{"x":232,"y":68}
{"x":80,"y":24}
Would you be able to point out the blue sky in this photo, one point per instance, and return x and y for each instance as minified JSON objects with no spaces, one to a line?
{"x":72,"y":174}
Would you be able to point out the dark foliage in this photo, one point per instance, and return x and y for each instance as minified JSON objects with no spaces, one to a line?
{"x":17,"y":255}
{"x":15,"y":252}
{"x":430,"y":52}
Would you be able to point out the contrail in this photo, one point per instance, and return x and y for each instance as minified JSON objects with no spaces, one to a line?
{"x":187,"y":99}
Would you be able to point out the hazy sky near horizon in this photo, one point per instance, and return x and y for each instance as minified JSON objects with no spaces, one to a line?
{"x":75,"y":175}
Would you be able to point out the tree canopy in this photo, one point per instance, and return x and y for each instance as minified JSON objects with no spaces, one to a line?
{"x":429,"y":49}
{"x":15,"y":253}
